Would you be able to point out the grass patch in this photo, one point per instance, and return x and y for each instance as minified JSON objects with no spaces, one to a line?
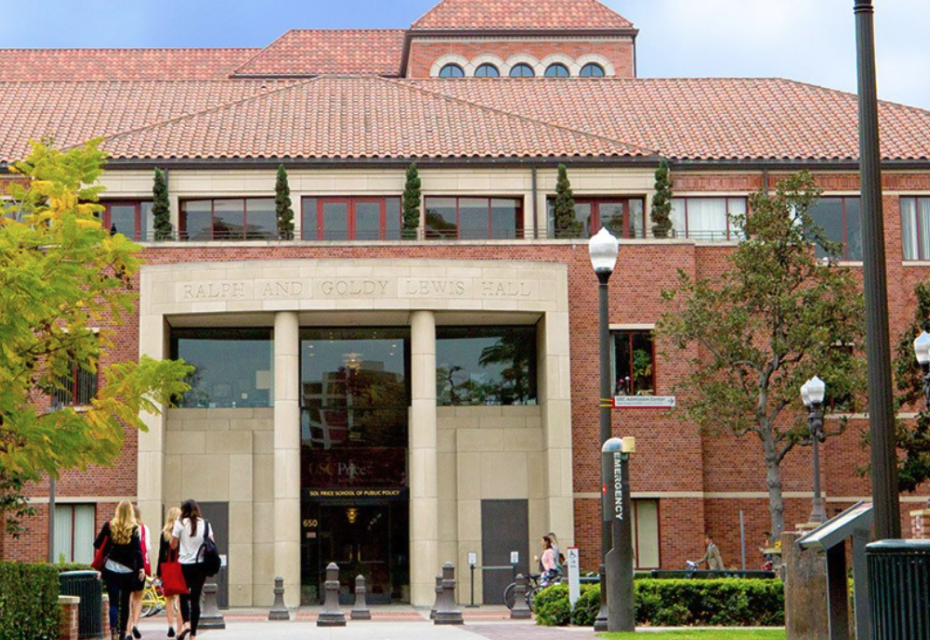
{"x":710,"y":634}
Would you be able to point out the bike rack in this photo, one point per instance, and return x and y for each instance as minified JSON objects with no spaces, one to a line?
{"x":505,"y":567}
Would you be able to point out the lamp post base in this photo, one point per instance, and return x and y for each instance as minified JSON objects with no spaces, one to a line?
{"x":600,"y":622}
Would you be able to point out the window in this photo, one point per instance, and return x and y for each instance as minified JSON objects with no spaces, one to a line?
{"x":351,"y":219}
{"x":77,"y":388}
{"x":557,"y":70}
{"x":592,"y":70}
{"x":232,"y":367}
{"x":645,"y":526}
{"x":451,"y":71}
{"x":706,"y":219}
{"x":522,"y":70}
{"x":133,"y":219}
{"x":841,"y":222}
{"x":915,"y":228}
{"x":487,"y":70}
{"x":634,"y":363}
{"x":75,"y":530}
{"x":485,"y":366}
{"x":474,"y":218}
{"x":229,"y":219}
{"x":623,"y":217}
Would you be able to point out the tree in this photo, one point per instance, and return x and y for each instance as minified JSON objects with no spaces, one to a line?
{"x":282,"y":205}
{"x":661,"y":213}
{"x":567,"y":224}
{"x":161,"y":209}
{"x":61,"y":276}
{"x":775,"y":318}
{"x":412,"y":196}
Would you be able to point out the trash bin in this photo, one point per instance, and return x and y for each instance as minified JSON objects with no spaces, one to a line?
{"x":86,"y":585}
{"x":899,"y":589}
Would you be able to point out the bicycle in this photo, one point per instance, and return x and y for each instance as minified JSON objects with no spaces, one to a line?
{"x":534,"y":585}
{"x":153,"y":600}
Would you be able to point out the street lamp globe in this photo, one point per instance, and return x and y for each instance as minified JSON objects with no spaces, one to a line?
{"x":805,"y":394}
{"x":922,"y":348}
{"x":817,"y":389}
{"x":604,"y":249}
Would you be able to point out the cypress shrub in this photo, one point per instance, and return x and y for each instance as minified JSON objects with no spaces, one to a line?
{"x":282,"y":205}
{"x":661,"y":213}
{"x":567,"y":224}
{"x":161,"y":210}
{"x":411,"y":202}
{"x":28,"y":601}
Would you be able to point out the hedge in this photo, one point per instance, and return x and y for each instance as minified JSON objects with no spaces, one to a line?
{"x":676,"y":603}
{"x":28,"y":601}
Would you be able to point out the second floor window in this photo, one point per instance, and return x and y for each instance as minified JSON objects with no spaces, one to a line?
{"x":623,"y":217}
{"x":915,"y":228}
{"x":706,"y":219}
{"x":351,"y":219}
{"x":229,"y":219}
{"x":132,"y":219}
{"x":474,"y":218}
{"x":634,"y":363}
{"x":841,"y":222}
{"x":77,"y":388}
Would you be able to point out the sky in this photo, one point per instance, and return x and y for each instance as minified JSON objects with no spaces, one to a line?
{"x":806,"y":40}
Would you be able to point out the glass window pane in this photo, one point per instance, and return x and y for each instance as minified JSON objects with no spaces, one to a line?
{"x":522,"y":70}
{"x":592,"y":70}
{"x":647,"y":534}
{"x":853,"y":229}
{"x":473,"y":219}
{"x":505,"y":219}
{"x":262,"y":219}
{"x":707,"y":219}
{"x":557,"y":70}
{"x":679,"y":227}
{"x":611,"y":217}
{"x":228,"y":219}
{"x":123,"y":219}
{"x":923,"y":227}
{"x":232,"y":367}
{"x":909,"y":228}
{"x":637,"y":219}
{"x":84,"y":533}
{"x":735,"y":207}
{"x":487,"y":70}
{"x":643,"y":370}
{"x":197,"y":223}
{"x":367,"y":221}
{"x":147,"y":223}
{"x":62,"y":548}
{"x":827,"y":213}
{"x":583,"y":215}
{"x":634,"y":369}
{"x":486,"y":366}
{"x":392,"y":218}
{"x":335,"y":221}
{"x":440,"y":218}
{"x":451,"y":71}
{"x":308,"y":228}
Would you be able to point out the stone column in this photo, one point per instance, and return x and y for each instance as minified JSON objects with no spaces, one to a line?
{"x":287,"y":454}
{"x":424,"y":493}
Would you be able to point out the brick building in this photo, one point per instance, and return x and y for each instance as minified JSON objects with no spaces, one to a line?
{"x":390,"y":402}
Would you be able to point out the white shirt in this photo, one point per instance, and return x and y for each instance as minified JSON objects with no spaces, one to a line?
{"x":188,"y":545}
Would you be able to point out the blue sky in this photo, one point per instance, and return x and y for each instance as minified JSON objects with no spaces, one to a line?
{"x":807,"y":40}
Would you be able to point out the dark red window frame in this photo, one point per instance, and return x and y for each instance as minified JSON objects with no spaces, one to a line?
{"x":319,"y":233}
{"x":73,"y":509}
{"x":629,"y":334}
{"x":844,"y":200}
{"x":636,"y":504}
{"x":919,"y":229}
{"x":81,"y":387}
{"x":518,"y":222}
{"x":595,"y":223}
{"x":729,"y":231}
{"x":245,"y":218}
{"x":106,"y":219}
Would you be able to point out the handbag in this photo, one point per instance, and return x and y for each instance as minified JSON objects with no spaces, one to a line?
{"x":100,"y":555}
{"x":208,"y":556}
{"x":172,"y":577}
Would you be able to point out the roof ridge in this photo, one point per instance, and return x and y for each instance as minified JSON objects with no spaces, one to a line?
{"x":229,"y":81}
{"x":339,"y":30}
{"x":212,"y":109}
{"x":129,"y":49}
{"x":520,"y":116}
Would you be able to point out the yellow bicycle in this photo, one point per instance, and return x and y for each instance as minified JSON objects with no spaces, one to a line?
{"x":153,"y":600}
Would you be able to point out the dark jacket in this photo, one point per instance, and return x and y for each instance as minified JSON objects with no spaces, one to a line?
{"x":164,"y":546}
{"x":129,"y":555}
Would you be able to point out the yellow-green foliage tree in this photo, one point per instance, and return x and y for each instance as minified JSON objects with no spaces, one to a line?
{"x":62,"y":275}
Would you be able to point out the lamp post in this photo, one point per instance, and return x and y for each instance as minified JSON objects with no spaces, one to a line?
{"x":604,"y":249}
{"x":615,"y":464}
{"x":922,"y":351}
{"x":812,"y":394}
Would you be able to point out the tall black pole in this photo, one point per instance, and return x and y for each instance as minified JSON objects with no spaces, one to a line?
{"x":603,"y":277}
{"x":621,"y":611}
{"x":878,"y":349}
{"x":818,"y":512}
{"x":51,"y":520}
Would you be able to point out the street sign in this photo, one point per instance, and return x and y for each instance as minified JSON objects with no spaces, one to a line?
{"x":514,"y":557}
{"x":574,"y":575}
{"x":472,"y":559}
{"x":644,"y":402}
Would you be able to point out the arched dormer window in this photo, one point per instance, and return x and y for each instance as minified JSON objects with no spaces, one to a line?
{"x":452,"y":70}
{"x":592,"y":70}
{"x":487,"y":70}
{"x":557,"y":70}
{"x":522,"y":70}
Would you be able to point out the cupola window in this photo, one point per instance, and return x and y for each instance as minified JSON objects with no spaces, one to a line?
{"x":522,"y":70}
{"x":487,"y":70}
{"x":557,"y":70}
{"x":452,"y":71}
{"x":592,"y":70}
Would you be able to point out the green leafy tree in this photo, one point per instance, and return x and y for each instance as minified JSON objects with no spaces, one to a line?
{"x":913,"y":437}
{"x":161,"y":209}
{"x":661,"y":213}
{"x":282,"y":205}
{"x":61,"y":275}
{"x":412,"y":196}
{"x":775,"y":318}
{"x":567,"y":224}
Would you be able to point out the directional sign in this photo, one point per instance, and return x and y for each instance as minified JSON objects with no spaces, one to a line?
{"x":644,"y":402}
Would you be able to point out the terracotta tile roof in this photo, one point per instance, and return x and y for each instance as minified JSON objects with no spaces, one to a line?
{"x":705,"y":119}
{"x":40,"y":65}
{"x":309,"y":52}
{"x":73,"y":112}
{"x":521,"y":15}
{"x":355,"y":118}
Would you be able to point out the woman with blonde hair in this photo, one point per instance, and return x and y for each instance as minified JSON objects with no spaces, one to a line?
{"x":164,"y":546}
{"x":120,"y":541}
{"x":138,"y":588}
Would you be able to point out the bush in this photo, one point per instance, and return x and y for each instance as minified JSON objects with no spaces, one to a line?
{"x":65,"y":567}
{"x":552,"y":606}
{"x":28,"y":601}
{"x":675,"y":603}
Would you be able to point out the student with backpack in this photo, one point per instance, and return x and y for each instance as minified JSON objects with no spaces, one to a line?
{"x":193,"y":538}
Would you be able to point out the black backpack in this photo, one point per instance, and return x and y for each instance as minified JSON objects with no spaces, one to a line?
{"x":208,"y":556}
